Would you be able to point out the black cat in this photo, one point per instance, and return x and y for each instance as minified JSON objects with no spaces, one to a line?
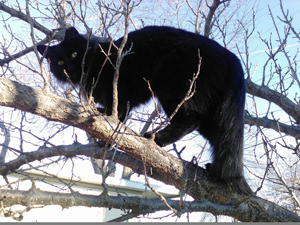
{"x":168,"y":58}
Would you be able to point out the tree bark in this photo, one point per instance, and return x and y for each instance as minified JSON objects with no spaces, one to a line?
{"x":182,"y":174}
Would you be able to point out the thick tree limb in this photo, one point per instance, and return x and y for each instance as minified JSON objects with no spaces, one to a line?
{"x":183,"y":175}
{"x":140,"y":205}
{"x":89,"y":150}
{"x":54,"y":108}
{"x":273,"y":124}
{"x":273,"y":96}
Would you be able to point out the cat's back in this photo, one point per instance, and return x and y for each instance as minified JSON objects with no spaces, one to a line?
{"x":157,"y":41}
{"x":154,"y":45}
{"x":161,"y":33}
{"x":170,"y":37}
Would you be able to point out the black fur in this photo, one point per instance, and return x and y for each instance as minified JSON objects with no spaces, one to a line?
{"x":168,"y":58}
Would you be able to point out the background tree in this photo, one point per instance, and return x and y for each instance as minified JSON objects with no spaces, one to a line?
{"x":42,"y":121}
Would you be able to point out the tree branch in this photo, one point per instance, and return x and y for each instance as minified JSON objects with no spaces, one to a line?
{"x":273,"y":96}
{"x":22,"y":16}
{"x":273,"y":124}
{"x":212,"y":10}
{"x":183,"y":175}
{"x":138,"y":205}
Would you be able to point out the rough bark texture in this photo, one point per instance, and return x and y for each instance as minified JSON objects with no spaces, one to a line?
{"x":167,"y":168}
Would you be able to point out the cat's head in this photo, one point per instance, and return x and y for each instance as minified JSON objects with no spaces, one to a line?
{"x":67,"y":56}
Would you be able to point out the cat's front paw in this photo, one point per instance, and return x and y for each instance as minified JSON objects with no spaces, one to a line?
{"x":149,"y":135}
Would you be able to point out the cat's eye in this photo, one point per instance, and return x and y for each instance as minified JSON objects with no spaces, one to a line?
{"x":60,"y":63}
{"x":74,"y":54}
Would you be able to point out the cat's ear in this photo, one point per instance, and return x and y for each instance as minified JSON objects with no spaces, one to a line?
{"x":71,"y":32}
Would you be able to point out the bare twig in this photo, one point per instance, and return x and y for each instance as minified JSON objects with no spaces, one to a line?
{"x":283,"y":181}
{"x":162,"y":198}
{"x":46,"y":83}
{"x":120,"y":56}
